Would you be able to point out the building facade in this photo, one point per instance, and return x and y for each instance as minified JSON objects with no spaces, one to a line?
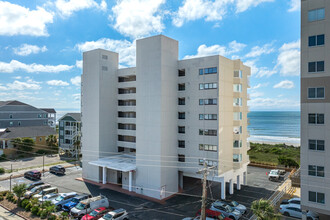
{"x":147,"y":127}
{"x":70,"y":132}
{"x":19,"y":114}
{"x":315,"y":106}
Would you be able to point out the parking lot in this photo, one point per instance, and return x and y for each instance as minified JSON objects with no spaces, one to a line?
{"x":177,"y":207}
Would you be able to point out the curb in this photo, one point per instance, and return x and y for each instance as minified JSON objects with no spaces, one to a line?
{"x":23,"y":217}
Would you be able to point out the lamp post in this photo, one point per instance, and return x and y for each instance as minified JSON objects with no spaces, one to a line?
{"x":10,"y":182}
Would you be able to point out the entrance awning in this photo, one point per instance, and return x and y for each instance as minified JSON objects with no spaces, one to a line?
{"x":122,"y":162}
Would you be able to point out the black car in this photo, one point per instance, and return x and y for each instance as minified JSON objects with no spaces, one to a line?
{"x":34,"y":175}
{"x":31,"y":185}
{"x":57,"y":170}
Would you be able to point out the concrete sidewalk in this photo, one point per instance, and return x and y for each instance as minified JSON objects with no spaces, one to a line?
{"x":7,"y":215}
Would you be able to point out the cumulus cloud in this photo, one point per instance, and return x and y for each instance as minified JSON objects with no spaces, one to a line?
{"x":18,"y":20}
{"x":259,"y":85}
{"x":259,"y":71}
{"x":243,"y":5}
{"x":76,"y":80}
{"x":285,"y":84}
{"x":68,"y":7}
{"x":258,"y":51}
{"x":137,"y":18}
{"x":19,"y":85}
{"x":273,"y":103}
{"x":79,"y":64}
{"x":57,"y":83}
{"x":203,"y":50}
{"x":294,"y":5}
{"x":124,"y":48}
{"x":288,"y":61}
{"x":27,"y":49}
{"x":256,"y":94}
{"x":15,"y":65}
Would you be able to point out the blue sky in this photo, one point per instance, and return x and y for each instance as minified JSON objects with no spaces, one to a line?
{"x":41,"y":43}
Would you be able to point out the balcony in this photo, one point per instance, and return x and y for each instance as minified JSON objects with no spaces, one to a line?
{"x":126,"y":144}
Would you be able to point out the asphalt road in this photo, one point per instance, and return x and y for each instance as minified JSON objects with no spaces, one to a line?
{"x":177,"y":207}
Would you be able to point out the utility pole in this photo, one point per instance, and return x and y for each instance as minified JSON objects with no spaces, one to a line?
{"x":10,"y":182}
{"x":43,"y":165}
{"x":205,"y":172}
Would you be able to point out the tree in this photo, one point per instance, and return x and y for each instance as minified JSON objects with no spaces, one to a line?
{"x":16,"y":142}
{"x":19,"y":190}
{"x":51,"y":141}
{"x":263,"y":209}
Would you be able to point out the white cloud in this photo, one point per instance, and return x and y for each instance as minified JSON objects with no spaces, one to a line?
{"x":27,"y":49}
{"x":259,"y":85}
{"x":76,"y":80}
{"x":294,"y":5}
{"x":67,"y":7}
{"x":79,"y":64}
{"x":137,"y":18}
{"x":288,"y":61}
{"x":258,"y":51}
{"x":256,"y":94}
{"x":18,"y":20}
{"x":273,"y":103}
{"x":19,"y":85}
{"x":259,"y":71}
{"x":285,"y":84}
{"x":243,"y":5}
{"x":15,"y":65}
{"x":76,"y":97}
{"x":124,"y":48}
{"x":204,"y":50}
{"x":57,"y":83}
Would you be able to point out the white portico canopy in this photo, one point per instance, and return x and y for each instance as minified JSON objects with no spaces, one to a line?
{"x":121,"y":162}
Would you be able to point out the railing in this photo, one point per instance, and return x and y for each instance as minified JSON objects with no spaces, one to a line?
{"x":295,"y":177}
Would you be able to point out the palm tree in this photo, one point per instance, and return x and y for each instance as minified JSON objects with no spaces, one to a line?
{"x":263,"y":209}
{"x":51,"y":141}
{"x":19,"y":190}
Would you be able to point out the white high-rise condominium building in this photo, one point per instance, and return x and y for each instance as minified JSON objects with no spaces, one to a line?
{"x":148,"y":126}
{"x":315,"y":106}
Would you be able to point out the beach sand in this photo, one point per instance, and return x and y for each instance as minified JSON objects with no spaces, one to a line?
{"x":273,"y":143}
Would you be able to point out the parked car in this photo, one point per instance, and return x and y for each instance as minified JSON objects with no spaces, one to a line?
{"x":213,"y":214}
{"x":235,"y":205}
{"x":294,"y":210}
{"x":62,"y":199}
{"x":46,"y":192}
{"x":274,"y":175}
{"x":118,"y":214}
{"x":97,"y":213}
{"x":86,"y":206}
{"x":32,"y":185}
{"x":198,"y":218}
{"x":48,"y":197}
{"x":34,"y":175}
{"x":291,"y":201}
{"x":36,"y":190}
{"x":68,"y":206}
{"x":226,"y":210}
{"x":57,"y":169}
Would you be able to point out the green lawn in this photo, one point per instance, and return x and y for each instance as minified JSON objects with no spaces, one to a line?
{"x":268,"y":154}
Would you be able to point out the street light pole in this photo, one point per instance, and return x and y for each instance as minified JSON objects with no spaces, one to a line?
{"x":43,"y":165}
{"x":10,"y":182}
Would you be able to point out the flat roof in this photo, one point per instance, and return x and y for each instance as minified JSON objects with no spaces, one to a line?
{"x":121,"y":162}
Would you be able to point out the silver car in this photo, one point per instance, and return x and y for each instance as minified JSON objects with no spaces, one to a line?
{"x":118,"y":214}
{"x":226,"y":210}
{"x":294,"y":210}
{"x":235,"y":205}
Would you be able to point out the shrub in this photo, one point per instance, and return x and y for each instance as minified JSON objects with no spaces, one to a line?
{"x":24,"y":203}
{"x":52,"y":217}
{"x":43,"y":214}
{"x":2,"y":170}
{"x":4,"y":193}
{"x":35,"y":210}
{"x":1,"y":198}
{"x":28,"y":207}
{"x":287,"y":161}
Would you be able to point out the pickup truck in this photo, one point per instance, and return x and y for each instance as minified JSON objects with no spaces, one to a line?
{"x":274,"y":175}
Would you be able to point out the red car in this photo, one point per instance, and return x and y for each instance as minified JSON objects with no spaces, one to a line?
{"x":34,"y":175}
{"x":213,"y":214}
{"x":97,"y":213}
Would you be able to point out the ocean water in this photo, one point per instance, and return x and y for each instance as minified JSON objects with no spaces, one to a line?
{"x":277,"y":126}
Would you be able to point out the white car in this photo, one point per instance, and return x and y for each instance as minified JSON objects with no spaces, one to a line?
{"x":274,"y":175}
{"x":291,"y":201}
{"x":48,"y":197}
{"x":118,"y":214}
{"x":294,"y":210}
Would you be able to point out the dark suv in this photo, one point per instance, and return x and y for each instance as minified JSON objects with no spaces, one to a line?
{"x":57,"y":170}
{"x":34,"y":175}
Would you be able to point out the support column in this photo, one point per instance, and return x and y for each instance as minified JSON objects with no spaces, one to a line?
{"x":130,"y":181}
{"x":3,"y":144}
{"x":181,"y":179}
{"x":223,"y":189}
{"x":238,"y":182}
{"x":231,"y":187}
{"x":104,"y":175}
{"x":244,"y":178}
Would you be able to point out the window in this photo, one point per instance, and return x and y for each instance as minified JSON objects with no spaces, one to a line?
{"x":207,"y":116}
{"x":181,"y":101}
{"x":127,"y":138}
{"x":316,"y":93}
{"x":201,"y":72}
{"x":315,"y":171}
{"x":238,"y":130}
{"x":40,"y":139}
{"x":237,"y":102}
{"x":237,"y":144}
{"x":127,"y":78}
{"x":316,"y":14}
{"x":61,"y":123}
{"x":208,"y":132}
{"x":182,"y":129}
{"x":11,"y":123}
{"x":104,"y":68}
{"x":105,"y":57}
{"x":61,"y":132}
{"x":208,"y":147}
{"x":238,"y":74}
{"x":237,"y":87}
{"x":182,"y":115}
{"x":317,"y":66}
{"x":181,"y":144}
{"x":181,"y":158}
{"x":316,"y":145}
{"x":237,"y":157}
{"x":316,"y":197}
{"x":208,"y":86}
{"x":19,"y":123}
{"x":317,"y":40}
{"x":10,"y":116}
{"x":127,"y":126}
{"x":208,"y":162}
{"x":315,"y":118}
{"x":208,"y":101}
{"x":39,"y":115}
{"x":211,"y":70}
{"x":181,"y":87}
{"x":238,"y":116}
{"x":181,"y":72}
